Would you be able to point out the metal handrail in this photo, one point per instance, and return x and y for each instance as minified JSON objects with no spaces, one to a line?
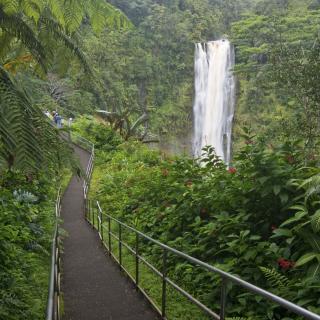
{"x":88,"y":146}
{"x":97,"y":218}
{"x":53,"y":302}
{"x":94,"y":214}
{"x":53,"y":305}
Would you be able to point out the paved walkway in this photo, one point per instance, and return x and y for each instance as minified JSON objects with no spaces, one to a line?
{"x":94,"y":288}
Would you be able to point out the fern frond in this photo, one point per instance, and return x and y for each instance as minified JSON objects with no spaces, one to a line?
{"x":10,"y":6}
{"x":19,"y":146}
{"x":74,"y":14}
{"x":15,"y":26}
{"x":53,"y":28}
{"x":32,"y":9}
{"x":26,"y":137}
{"x":103,"y":14}
{"x":275,"y":278}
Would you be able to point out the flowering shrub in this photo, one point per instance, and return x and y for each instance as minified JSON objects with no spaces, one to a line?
{"x":236,"y":219}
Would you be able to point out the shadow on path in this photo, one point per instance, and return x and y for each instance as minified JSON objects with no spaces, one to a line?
{"x":92,"y":284}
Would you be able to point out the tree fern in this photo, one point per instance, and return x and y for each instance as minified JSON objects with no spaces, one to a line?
{"x":19,"y":142}
{"x":26,"y":137}
{"x":15,"y":26}
{"x":52,"y":27}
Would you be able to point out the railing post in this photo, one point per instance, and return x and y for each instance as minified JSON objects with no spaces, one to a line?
{"x":85,"y":208}
{"x":164,"y":284}
{"x":58,"y":289}
{"x":223,"y":299}
{"x":137,"y":259}
{"x":120,"y":245}
{"x":109,"y":234}
{"x":92,"y":213}
{"x":98,"y":219}
{"x":100,"y":211}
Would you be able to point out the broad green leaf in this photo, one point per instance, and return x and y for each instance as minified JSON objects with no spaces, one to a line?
{"x":276,"y":189}
{"x":314,"y":270}
{"x":284,"y":197}
{"x":282,"y":233}
{"x":311,"y":239}
{"x":315,"y":221}
{"x":305,"y":259}
{"x":297,"y":217}
{"x":299,"y":207}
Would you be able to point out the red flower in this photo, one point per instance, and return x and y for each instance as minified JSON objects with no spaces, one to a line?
{"x":285,"y":264}
{"x":232,"y":170}
{"x":273,"y":227}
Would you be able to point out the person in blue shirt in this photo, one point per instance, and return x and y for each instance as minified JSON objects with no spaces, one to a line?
{"x":57,"y":120}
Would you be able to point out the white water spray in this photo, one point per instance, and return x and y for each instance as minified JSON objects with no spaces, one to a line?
{"x":214,"y":98}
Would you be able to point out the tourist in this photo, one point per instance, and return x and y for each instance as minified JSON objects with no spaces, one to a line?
{"x":58,"y":120}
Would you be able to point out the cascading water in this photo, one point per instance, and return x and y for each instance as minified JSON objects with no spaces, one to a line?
{"x":214,"y":98}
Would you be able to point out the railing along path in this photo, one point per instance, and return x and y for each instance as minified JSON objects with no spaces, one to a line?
{"x":53,"y":303}
{"x":103,"y":223}
{"x":53,"y":311}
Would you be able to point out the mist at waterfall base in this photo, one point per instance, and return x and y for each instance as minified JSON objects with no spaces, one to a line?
{"x":214,"y":102}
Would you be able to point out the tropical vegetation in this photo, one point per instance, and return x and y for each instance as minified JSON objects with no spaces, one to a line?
{"x":124,"y":71}
{"x":35,"y":160}
{"x":258,"y":219}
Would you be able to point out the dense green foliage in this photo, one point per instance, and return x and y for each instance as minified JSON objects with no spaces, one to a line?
{"x":30,"y":36}
{"x":258,"y":219}
{"x":34,"y":158}
{"x":26,"y":228}
{"x":277,"y":66}
{"x":148,"y":70}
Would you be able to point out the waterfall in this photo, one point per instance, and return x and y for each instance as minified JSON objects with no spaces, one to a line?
{"x":214,"y":98}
